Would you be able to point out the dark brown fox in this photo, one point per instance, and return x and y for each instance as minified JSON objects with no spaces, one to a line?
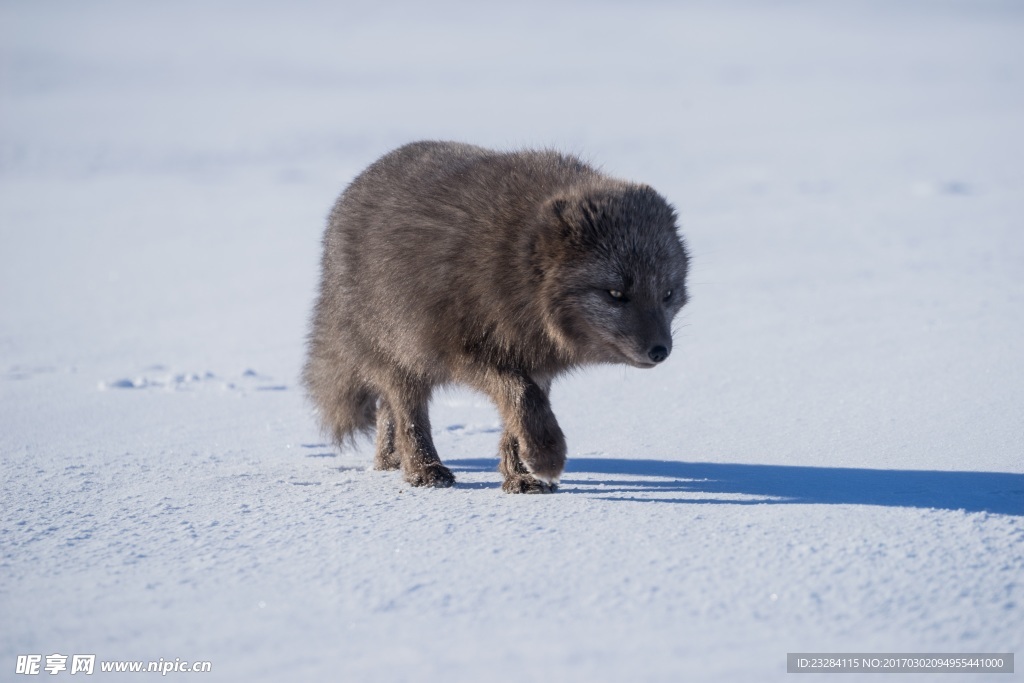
{"x":448,"y":263}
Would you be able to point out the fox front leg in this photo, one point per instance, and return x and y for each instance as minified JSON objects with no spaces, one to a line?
{"x":532,"y":447}
{"x":517,"y":478}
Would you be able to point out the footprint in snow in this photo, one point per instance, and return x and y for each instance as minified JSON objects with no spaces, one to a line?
{"x":157,"y":377}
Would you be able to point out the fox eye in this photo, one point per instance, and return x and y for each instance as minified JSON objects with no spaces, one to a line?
{"x":616,"y":294}
{"x":668,"y":295}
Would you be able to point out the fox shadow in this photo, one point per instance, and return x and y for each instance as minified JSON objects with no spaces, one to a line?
{"x":993,"y":492}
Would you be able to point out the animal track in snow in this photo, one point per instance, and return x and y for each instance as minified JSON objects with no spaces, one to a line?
{"x":159,"y":378}
{"x":19,"y":372}
{"x":954,"y":188}
{"x":473,"y":429}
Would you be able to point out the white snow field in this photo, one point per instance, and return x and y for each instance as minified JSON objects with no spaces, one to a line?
{"x":832,"y":460}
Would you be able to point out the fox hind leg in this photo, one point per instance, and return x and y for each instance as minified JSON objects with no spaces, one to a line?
{"x":420,"y":463}
{"x":386,"y":457}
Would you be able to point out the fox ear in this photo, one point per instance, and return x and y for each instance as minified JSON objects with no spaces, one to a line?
{"x":566,"y":212}
{"x":559,"y":207}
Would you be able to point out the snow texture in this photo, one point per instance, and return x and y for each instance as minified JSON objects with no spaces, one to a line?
{"x":831,"y":460}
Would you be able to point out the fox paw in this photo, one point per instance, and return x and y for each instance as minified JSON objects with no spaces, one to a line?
{"x":525,"y":483}
{"x":433,"y":474}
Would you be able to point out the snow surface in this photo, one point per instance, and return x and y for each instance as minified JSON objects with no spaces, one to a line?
{"x":831,"y":460}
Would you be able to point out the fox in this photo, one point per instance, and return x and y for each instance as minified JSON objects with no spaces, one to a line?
{"x":445,"y":263}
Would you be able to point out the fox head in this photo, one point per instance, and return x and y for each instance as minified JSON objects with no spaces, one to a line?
{"x":613,"y":273}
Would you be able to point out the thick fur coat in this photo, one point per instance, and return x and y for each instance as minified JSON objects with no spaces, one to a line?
{"x":449,"y":263}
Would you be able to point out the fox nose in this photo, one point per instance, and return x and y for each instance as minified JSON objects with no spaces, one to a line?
{"x":658,"y":353}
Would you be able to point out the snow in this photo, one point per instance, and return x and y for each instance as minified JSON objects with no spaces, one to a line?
{"x":830,"y":461}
